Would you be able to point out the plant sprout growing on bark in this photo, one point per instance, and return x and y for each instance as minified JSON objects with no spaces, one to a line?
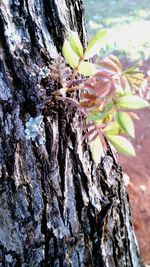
{"x":108,"y":94}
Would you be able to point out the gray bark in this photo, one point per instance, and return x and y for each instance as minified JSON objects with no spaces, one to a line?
{"x":56,"y":207}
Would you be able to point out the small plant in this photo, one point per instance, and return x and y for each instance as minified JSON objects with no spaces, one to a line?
{"x":107,"y":94}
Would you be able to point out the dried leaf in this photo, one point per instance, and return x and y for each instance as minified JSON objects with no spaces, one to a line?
{"x":60,"y":72}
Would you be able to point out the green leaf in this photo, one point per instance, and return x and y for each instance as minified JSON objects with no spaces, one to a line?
{"x":94,"y":116}
{"x":87,"y":69}
{"x":132,"y":102}
{"x":112,"y":129}
{"x":133,"y":69}
{"x":76,"y":44}
{"x":119,"y":90}
{"x":97,"y":115}
{"x":70,"y":56}
{"x":125,"y":122}
{"x":121,"y":144}
{"x":95,"y":44}
{"x":96,"y":149}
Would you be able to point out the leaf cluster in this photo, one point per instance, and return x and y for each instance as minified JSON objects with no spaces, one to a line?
{"x":108,"y":94}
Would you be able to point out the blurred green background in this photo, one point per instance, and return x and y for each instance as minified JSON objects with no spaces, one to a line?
{"x":128,"y":24}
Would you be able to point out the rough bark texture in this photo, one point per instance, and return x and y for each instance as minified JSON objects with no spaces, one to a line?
{"x":56,"y":207}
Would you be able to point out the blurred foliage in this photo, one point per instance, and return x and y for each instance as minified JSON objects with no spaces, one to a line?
{"x":128,"y":23}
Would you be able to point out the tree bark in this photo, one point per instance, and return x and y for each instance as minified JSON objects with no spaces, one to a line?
{"x":56,"y":207}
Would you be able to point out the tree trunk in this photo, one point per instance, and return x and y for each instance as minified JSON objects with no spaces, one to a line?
{"x":56,"y":207}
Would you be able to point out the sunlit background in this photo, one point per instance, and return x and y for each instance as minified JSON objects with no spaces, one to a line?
{"x":128,"y":25}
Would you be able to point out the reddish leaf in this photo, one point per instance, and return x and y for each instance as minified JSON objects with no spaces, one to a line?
{"x":87,"y":134}
{"x":90,"y":100}
{"x":108,"y":65}
{"x":134,"y":116}
{"x":115,"y":60}
{"x":102,"y":84}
